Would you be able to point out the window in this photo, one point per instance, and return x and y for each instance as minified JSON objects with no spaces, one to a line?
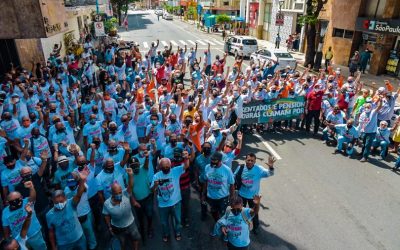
{"x":226,"y":3}
{"x":234,"y":40}
{"x":283,"y":55}
{"x":338,"y":32}
{"x":348,"y":34}
{"x":249,"y":42}
{"x":267,"y":53}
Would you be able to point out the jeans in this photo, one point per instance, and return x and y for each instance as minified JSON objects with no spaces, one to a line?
{"x":77,"y":245}
{"x":175,"y":212}
{"x":341,"y":139}
{"x":383,"y":144}
{"x":87,"y":227}
{"x":36,"y":242}
{"x":367,"y":141}
{"x":325,"y":133}
{"x":397,"y":164}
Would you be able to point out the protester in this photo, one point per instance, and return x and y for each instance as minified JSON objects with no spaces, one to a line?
{"x":176,"y":120}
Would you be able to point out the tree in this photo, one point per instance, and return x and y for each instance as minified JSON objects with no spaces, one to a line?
{"x":119,"y":6}
{"x":223,"y":19}
{"x":310,"y":20}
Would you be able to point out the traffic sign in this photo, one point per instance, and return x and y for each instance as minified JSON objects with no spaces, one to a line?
{"x":98,"y":18}
{"x":280,"y":19}
{"x":99,"y":29}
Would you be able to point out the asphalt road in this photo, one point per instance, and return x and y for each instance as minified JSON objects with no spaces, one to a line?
{"x":316,"y":200}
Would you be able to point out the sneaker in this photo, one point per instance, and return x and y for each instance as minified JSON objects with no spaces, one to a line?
{"x":363,"y":159}
{"x":337,"y":151}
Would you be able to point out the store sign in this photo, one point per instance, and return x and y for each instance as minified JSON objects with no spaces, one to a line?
{"x":391,"y":26}
{"x":280,"y":19}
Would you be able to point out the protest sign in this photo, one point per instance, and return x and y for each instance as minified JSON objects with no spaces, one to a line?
{"x":278,"y":110}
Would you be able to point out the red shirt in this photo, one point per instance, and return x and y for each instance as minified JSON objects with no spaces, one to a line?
{"x":314,"y":100}
{"x":160,"y":74}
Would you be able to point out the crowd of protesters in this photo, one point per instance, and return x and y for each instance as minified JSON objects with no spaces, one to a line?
{"x":98,"y":142}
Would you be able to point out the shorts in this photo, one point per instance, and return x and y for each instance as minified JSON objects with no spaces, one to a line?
{"x":218,"y":205}
{"x":129,"y":232}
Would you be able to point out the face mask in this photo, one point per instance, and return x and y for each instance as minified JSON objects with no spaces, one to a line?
{"x":214,"y":164}
{"x":16,"y":204}
{"x":235,"y":94}
{"x":63,"y":166}
{"x":272,"y":91}
{"x":28,"y":158}
{"x":188,"y":122}
{"x":113,"y":149}
{"x":173,"y":121}
{"x":206,"y":151}
{"x":11,"y":166}
{"x":165,"y":171}
{"x":35,"y":136}
{"x":61,"y":205}
{"x":92,"y":121}
{"x":173,"y":143}
{"x":349,"y":126}
{"x":153,"y":122}
{"x":367,"y":110}
{"x":109,"y":170}
{"x":165,"y":92}
{"x":216,"y":133}
{"x":26,"y":178}
{"x":141,"y":153}
{"x":236,"y":211}
{"x":117,"y":197}
{"x":120,"y":105}
{"x":61,"y":130}
{"x":190,"y":108}
{"x":95,"y":111}
{"x":196,"y":68}
{"x":172,"y":106}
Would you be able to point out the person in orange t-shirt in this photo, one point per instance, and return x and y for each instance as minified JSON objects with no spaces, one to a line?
{"x":389,"y":86}
{"x":194,"y":131}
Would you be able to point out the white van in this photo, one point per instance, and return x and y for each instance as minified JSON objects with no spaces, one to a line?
{"x":241,"y":45}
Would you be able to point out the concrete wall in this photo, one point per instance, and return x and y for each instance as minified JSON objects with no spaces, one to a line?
{"x":48,"y":43}
{"x":29,"y":50}
{"x":21,"y":19}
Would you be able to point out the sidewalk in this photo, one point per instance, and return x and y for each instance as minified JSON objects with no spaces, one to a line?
{"x":371,"y":81}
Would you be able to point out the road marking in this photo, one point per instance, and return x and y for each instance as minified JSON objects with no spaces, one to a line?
{"x":183,"y":42}
{"x":190,"y":41}
{"x":174,"y":43}
{"x":201,"y":42}
{"x":208,"y":41}
{"x":269,"y":148}
{"x":145,"y":44}
{"x":218,"y":42}
{"x":164,"y":43}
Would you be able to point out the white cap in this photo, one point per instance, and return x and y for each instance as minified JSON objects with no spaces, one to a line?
{"x":215,"y":126}
{"x":381,"y":89}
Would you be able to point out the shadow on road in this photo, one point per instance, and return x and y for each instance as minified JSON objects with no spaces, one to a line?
{"x":137,"y":22}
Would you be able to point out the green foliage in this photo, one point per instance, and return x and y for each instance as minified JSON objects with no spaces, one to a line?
{"x":308,"y":19}
{"x":223,"y":18}
{"x":313,"y":9}
{"x":191,"y":10}
{"x":110,"y":24}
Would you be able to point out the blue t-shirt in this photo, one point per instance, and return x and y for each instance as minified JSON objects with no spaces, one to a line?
{"x":65,"y":223}
{"x":168,"y":150}
{"x":11,"y":177}
{"x":251,"y":179}
{"x":168,"y":192}
{"x":92,"y":130}
{"x":350,"y":134}
{"x":105,"y":180}
{"x":61,"y":176}
{"x":14,"y":219}
{"x":218,"y":181}
{"x":238,"y":229}
{"x":117,"y":157}
{"x":201,"y":162}
{"x":368,"y":122}
{"x":141,"y":188}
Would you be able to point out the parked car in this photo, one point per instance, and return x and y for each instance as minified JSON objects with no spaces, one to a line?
{"x":241,"y":45}
{"x":158,"y":12}
{"x":283,"y":57}
{"x":167,"y":16}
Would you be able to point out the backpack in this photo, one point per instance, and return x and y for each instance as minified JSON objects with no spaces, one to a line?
{"x":248,"y":221}
{"x":238,"y":177}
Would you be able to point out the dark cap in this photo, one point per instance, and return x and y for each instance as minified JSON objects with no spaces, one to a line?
{"x":216,"y":156}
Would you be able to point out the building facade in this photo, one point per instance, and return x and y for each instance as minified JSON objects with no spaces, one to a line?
{"x":349,"y":26}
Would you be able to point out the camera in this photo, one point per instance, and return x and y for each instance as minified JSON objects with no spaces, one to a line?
{"x":163,"y":181}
